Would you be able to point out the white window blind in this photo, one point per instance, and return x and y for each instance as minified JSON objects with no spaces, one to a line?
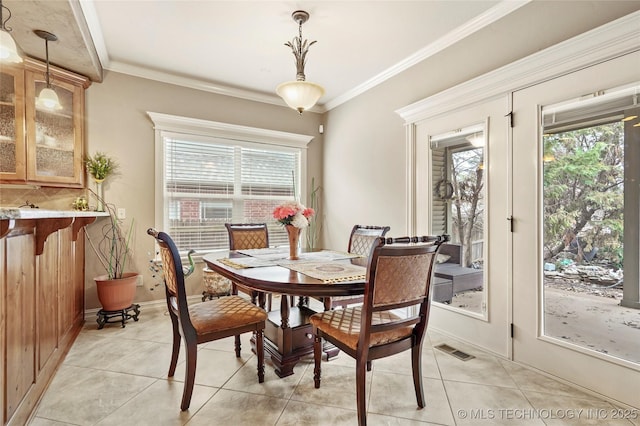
{"x":210,"y":181}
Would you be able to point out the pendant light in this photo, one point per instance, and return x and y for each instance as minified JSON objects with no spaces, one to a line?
{"x":8,"y":49}
{"x":48,"y":99}
{"x":300,"y":94}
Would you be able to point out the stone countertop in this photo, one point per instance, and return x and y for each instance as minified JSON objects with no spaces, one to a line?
{"x":28,"y":213}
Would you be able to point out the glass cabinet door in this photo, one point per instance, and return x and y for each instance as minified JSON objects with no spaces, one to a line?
{"x":54,"y":148}
{"x":12,"y":146}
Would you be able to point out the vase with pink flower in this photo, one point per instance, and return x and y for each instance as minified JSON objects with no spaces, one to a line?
{"x":294,"y":216}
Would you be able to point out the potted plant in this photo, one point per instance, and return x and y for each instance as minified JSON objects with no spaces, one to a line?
{"x":100,"y":166}
{"x":116,"y":288}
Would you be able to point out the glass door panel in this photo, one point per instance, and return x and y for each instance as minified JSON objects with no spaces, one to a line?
{"x":585,"y":220}
{"x":457,"y":164}
{"x":55,"y":151}
{"x":55,"y":136}
{"x":12,"y":146}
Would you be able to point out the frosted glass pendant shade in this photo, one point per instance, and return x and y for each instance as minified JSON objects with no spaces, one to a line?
{"x":300,"y":95}
{"x":48,"y":99}
{"x":8,"y":49}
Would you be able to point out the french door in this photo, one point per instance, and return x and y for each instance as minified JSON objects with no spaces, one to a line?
{"x":552,"y":237}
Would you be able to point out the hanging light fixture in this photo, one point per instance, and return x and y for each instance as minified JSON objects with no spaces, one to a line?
{"x":300,"y":94}
{"x":8,"y":49}
{"x":48,"y":99}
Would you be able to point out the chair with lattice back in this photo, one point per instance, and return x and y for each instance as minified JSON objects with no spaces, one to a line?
{"x":399,"y":275}
{"x":204,"y":321}
{"x":361,"y":241}
{"x":244,"y":236}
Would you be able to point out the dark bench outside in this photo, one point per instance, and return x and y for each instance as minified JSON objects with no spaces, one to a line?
{"x":451,"y":278}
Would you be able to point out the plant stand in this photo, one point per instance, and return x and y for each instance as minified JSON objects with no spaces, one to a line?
{"x":215,"y":285}
{"x":105,"y":317}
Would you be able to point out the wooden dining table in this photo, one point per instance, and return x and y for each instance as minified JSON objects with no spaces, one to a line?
{"x":288,"y":334}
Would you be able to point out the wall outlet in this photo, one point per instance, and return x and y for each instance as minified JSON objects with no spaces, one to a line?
{"x":121,"y":213}
{"x":139,"y":281}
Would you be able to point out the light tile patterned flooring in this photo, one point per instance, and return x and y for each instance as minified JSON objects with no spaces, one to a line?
{"x":117,"y":376}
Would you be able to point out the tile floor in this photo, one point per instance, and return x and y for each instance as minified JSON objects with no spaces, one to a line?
{"x":117,"y":376}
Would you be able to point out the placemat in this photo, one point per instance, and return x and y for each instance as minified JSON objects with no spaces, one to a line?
{"x":245,"y":262}
{"x":329,"y":272}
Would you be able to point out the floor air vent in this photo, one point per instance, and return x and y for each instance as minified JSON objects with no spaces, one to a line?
{"x":455,"y":352}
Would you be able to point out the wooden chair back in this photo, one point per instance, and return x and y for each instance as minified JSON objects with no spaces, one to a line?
{"x":244,"y":236}
{"x":361,"y":241}
{"x":173,"y":274}
{"x":362,"y":238}
{"x":398,"y":276}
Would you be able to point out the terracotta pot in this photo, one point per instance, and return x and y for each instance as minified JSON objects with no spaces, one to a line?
{"x":116,"y":294}
{"x":294,"y":236}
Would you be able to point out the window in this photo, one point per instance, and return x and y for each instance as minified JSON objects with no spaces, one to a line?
{"x":458,"y":209}
{"x":211,"y":173}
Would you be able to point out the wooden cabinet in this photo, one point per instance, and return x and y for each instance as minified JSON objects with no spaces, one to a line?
{"x":42,"y":146}
{"x":20,"y":318}
{"x":41,"y":306}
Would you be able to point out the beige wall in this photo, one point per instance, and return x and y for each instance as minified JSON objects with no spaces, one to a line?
{"x":117,"y":124}
{"x":364,"y":142}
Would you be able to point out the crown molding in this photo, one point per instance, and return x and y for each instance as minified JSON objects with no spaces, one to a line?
{"x":198,"y":84}
{"x":196,"y":126}
{"x":497,"y":12}
{"x":606,"y":42}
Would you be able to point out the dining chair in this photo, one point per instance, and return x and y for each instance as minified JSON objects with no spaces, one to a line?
{"x":399,"y":275}
{"x":361,"y":240}
{"x":243,"y":236}
{"x":204,"y":321}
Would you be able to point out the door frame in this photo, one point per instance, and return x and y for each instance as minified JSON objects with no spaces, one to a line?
{"x":608,"y":375}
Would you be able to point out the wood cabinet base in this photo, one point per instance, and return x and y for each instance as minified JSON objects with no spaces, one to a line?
{"x":41,"y":307}
{"x":26,"y":409}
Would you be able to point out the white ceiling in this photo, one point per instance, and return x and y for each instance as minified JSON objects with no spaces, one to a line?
{"x":237,"y":47}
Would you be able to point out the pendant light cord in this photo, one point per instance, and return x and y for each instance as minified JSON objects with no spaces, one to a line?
{"x":3,"y":22}
{"x":46,"y":48}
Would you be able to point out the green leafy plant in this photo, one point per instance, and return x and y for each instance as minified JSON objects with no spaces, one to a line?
{"x":112,"y":246}
{"x":314,"y":222}
{"x":100,"y":166}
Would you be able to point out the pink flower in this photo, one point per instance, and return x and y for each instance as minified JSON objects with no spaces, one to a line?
{"x":282,"y":212}
{"x":293,"y":213}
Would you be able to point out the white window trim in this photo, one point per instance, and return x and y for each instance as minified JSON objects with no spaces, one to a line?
{"x":165,"y":124}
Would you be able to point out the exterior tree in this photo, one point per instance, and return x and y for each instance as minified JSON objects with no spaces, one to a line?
{"x":468,"y":203}
{"x":583,"y":191}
